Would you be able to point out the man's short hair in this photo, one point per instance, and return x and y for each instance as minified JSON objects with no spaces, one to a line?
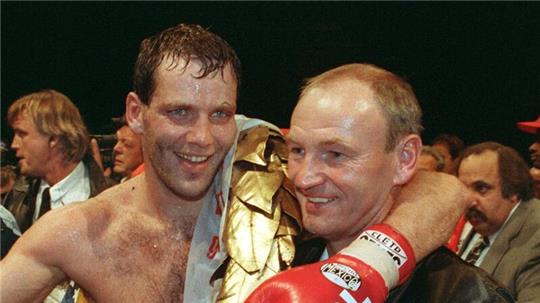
{"x":187,"y":42}
{"x":513,"y":170}
{"x":54,"y":115}
{"x":395,"y":96}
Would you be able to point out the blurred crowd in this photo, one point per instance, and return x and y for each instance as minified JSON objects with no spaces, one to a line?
{"x":52,"y":161}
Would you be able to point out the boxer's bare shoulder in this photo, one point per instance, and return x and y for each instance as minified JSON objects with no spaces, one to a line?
{"x":111,"y":248}
{"x":132,"y":253}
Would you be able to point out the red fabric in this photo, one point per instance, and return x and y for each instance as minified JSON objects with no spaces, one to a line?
{"x":395,"y":244}
{"x":454,"y":239}
{"x":139,"y":170}
{"x":530,"y":127}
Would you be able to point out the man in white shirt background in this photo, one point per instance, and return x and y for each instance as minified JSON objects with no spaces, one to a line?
{"x":51,"y":143}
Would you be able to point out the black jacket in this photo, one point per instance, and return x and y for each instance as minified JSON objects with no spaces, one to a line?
{"x":441,"y":277}
{"x":21,"y":201}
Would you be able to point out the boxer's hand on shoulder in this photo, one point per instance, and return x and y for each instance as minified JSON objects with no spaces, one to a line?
{"x":377,"y":261}
{"x":427,"y":210}
{"x":341,"y":278}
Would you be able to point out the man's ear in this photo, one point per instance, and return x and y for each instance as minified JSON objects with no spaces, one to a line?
{"x":134,"y":113}
{"x":514,"y":199}
{"x":53,"y":142}
{"x":408,"y":151}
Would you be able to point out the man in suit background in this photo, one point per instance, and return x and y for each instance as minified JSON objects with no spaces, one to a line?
{"x":52,"y":148}
{"x":502,"y":235}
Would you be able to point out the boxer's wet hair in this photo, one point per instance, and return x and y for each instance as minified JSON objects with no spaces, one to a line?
{"x":182,"y":42}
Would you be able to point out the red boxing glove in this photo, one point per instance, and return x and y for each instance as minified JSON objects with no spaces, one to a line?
{"x":341,"y":278}
{"x":363,"y":272}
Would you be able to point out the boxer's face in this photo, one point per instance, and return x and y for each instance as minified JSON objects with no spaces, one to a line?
{"x":337,"y":160}
{"x":489,"y":210}
{"x":189,"y":126}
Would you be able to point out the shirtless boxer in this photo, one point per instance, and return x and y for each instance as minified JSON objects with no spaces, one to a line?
{"x":131,"y":243}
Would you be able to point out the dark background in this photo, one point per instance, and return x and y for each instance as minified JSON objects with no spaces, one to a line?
{"x":475,"y":66}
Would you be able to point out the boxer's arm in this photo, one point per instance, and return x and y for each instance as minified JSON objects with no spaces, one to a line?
{"x":28,"y":272}
{"x":341,"y":278}
{"x":386,"y":257}
{"x":427,"y":210}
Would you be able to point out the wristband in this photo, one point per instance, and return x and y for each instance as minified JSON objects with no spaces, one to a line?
{"x":395,"y":244}
{"x":400,"y":263}
{"x":370,"y":254}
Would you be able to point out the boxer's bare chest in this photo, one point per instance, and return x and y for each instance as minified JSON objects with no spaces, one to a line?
{"x":141,"y":260}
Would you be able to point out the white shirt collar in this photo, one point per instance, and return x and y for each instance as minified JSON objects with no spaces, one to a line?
{"x":491,"y":238}
{"x":74,"y":187}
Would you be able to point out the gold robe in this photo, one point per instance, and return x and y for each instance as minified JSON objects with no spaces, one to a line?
{"x":262,"y":218}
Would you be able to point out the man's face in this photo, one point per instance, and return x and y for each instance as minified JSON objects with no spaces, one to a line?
{"x":337,"y":160}
{"x":535,"y":174}
{"x":189,"y":127}
{"x":127,"y":151}
{"x":534,"y":149}
{"x":445,"y":152}
{"x":31,"y":147}
{"x":489,"y":209}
